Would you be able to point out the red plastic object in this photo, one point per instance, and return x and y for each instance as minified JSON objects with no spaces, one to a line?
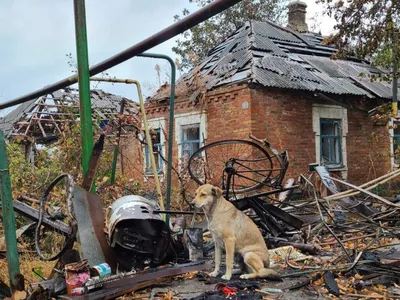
{"x":229,"y":291}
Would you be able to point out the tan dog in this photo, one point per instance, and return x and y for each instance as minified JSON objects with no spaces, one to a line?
{"x":234,"y":230}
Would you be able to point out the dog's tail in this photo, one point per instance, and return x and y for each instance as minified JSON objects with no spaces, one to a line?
{"x":268,"y":273}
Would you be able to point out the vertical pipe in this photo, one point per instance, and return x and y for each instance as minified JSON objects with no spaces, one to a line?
{"x":84,"y":84}
{"x":8,"y":215}
{"x":171,"y":124}
{"x":150,"y":145}
{"x":395,"y":71}
{"x":148,"y":137}
{"x":170,"y":135}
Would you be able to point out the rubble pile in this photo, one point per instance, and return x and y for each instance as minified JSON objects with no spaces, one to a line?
{"x":323,"y":239}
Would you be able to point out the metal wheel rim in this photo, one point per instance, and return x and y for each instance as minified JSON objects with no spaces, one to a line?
{"x":233,"y":141}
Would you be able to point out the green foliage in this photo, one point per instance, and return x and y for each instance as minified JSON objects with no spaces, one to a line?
{"x":28,"y":178}
{"x":51,"y":161}
{"x":365,"y":28}
{"x":200,"y":39}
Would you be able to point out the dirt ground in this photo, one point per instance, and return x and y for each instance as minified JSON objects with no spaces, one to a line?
{"x":190,"y":288}
{"x":196,"y":284}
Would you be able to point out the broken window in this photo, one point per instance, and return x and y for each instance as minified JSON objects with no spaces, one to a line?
{"x":331,"y":148}
{"x":157,"y":148}
{"x":396,"y":141}
{"x":190,"y":139}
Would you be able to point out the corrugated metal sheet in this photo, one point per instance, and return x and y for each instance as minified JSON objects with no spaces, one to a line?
{"x":350,"y":70}
{"x":266,"y":44}
{"x":281,"y":74}
{"x":322,"y":64}
{"x":264,"y":29}
{"x":286,"y":67}
{"x":274,"y":57}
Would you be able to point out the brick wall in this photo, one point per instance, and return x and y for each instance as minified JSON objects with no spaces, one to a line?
{"x":286,"y":121}
{"x":368,"y":149}
{"x":130,"y":158}
{"x":285,"y":118}
{"x":229,"y":113}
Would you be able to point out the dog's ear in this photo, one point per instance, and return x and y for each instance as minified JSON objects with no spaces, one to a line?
{"x":217,"y":192}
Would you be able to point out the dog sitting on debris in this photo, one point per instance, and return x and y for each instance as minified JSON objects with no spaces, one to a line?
{"x":234,"y":230}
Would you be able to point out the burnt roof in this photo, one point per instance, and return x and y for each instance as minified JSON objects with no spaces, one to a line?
{"x":43,"y":117}
{"x":269,"y":55}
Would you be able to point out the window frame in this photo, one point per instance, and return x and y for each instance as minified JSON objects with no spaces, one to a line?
{"x":148,"y":169}
{"x":184,"y":119}
{"x":329,"y":111}
{"x":189,"y":142}
{"x":331,"y":147}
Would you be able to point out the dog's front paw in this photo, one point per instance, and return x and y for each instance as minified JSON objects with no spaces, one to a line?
{"x":244,"y":276}
{"x":214,"y":274}
{"x":227,"y":277}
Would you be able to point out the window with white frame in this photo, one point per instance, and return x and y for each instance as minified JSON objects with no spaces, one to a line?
{"x":330,"y":126}
{"x":157,"y":150}
{"x":331,"y":145}
{"x":190,"y":139}
{"x":190,"y":132}
{"x":157,"y":126}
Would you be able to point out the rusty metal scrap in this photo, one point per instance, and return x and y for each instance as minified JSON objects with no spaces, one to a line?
{"x":90,"y":220}
{"x":93,"y":163}
{"x":78,"y":266}
{"x":33,"y":214}
{"x":131,"y":283}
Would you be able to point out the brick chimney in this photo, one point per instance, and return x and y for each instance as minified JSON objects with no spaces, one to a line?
{"x":297,"y":16}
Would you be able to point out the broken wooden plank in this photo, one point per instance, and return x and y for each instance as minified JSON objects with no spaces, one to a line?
{"x":383,"y":200}
{"x":346,"y":202}
{"x":93,"y":164}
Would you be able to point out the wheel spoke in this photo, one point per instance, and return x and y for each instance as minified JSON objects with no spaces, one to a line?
{"x":252,"y":164}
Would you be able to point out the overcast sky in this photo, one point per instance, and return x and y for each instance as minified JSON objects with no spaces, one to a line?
{"x":35,"y":37}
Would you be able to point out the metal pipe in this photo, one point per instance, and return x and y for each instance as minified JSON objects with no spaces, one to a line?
{"x":85,"y":110}
{"x":8,"y":215}
{"x":395,"y":75}
{"x":190,"y":21}
{"x":171,"y":124}
{"x":146,"y":129}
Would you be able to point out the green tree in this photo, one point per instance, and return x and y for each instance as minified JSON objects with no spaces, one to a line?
{"x":365,"y":28}
{"x":196,"y":42}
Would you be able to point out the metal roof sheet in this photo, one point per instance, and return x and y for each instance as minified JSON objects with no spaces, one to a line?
{"x":277,"y":57}
{"x":264,"y":29}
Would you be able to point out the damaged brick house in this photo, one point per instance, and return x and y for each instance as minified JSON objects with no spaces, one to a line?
{"x":280,"y":83}
{"x":42,"y":121}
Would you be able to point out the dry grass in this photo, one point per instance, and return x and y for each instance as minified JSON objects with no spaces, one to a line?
{"x":28,"y":262}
